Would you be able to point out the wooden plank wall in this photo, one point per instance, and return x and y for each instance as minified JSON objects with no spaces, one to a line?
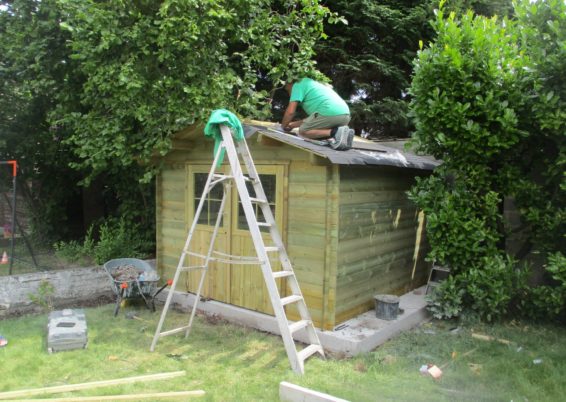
{"x":170,"y":219}
{"x":312,"y":237}
{"x":311,"y":189}
{"x":381,"y":238}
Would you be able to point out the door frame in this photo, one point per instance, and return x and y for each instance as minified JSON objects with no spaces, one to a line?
{"x":229,"y":227}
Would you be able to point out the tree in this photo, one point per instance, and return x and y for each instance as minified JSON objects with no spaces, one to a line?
{"x":101,"y":86}
{"x":151,"y":68}
{"x":488,"y":101}
{"x":369,"y":60}
{"x":33,"y":66}
{"x":487,"y":8}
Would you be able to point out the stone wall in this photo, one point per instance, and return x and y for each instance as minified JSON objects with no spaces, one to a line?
{"x":73,"y":288}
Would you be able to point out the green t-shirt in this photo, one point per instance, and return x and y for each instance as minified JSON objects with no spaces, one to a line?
{"x":318,"y":98}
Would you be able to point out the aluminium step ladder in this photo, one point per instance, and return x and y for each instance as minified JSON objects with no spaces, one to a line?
{"x":435,"y":277}
{"x":237,"y":176}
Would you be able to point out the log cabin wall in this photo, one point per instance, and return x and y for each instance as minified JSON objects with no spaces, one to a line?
{"x":381,"y":243}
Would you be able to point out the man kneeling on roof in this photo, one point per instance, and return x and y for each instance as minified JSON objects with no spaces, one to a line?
{"x":328,"y":114}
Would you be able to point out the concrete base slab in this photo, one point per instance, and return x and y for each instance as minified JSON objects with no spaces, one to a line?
{"x":357,"y":335}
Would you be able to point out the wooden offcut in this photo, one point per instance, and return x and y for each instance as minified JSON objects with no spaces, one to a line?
{"x":125,"y":397}
{"x":89,"y":385}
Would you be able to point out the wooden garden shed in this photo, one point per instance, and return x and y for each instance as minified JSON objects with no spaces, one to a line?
{"x":348,"y":226}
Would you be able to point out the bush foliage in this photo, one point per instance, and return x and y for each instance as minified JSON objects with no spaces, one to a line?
{"x":88,"y":89}
{"x":488,"y":102}
{"x":114,"y":239}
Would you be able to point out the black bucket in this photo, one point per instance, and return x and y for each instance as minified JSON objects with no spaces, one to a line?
{"x":386,"y":307}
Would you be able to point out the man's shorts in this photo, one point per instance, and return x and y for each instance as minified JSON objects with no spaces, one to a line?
{"x":317,"y":121}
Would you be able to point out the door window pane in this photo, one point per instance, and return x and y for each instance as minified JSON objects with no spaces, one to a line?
{"x":212,"y":202}
{"x":268,"y":182}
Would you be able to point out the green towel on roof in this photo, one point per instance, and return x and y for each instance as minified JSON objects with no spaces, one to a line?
{"x":212,"y":129}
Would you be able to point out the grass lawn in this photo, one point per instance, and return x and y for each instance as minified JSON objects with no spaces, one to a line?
{"x":232,"y":363}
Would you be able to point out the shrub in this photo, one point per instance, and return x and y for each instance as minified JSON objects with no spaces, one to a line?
{"x":491,"y":287}
{"x":44,"y":295}
{"x":116,"y":238}
{"x":76,"y":252}
{"x":548,"y":300}
{"x":119,"y":239}
{"x":446,"y":300}
{"x":488,"y":100}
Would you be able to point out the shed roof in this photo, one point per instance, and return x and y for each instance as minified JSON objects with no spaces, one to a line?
{"x":363,"y":152}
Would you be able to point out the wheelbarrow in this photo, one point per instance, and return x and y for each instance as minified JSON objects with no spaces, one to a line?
{"x":132,"y":278}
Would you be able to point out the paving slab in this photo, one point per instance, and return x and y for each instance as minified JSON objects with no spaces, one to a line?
{"x":357,"y":335}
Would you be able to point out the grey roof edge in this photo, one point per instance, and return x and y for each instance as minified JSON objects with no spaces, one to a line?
{"x":362,"y":153}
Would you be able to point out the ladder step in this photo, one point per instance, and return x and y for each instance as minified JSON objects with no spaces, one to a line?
{"x":297,"y":326}
{"x":282,"y":274}
{"x":290,"y":299}
{"x":173,"y":331}
{"x":184,"y":269}
{"x":308,"y":352}
{"x":258,"y":200}
{"x":192,"y":253}
{"x":264,"y":224}
{"x":271,"y":249}
{"x":440,"y":268}
{"x":250,"y":179}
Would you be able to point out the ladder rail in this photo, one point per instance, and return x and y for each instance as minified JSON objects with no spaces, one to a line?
{"x":274,"y":232}
{"x":267,"y":213}
{"x":178,"y":271}
{"x":258,"y":239}
{"x":273,"y":291}
{"x":208,"y":257}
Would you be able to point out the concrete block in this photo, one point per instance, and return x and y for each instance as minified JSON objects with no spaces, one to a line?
{"x":71,"y":287}
{"x":358,"y":335}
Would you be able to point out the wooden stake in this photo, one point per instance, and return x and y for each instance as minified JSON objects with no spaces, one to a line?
{"x":490,"y":338}
{"x":89,"y":385}
{"x":179,"y":394}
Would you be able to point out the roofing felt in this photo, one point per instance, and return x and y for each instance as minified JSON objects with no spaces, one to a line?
{"x":361,"y":153}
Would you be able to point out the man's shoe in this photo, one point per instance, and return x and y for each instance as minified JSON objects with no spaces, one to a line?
{"x":343,"y":138}
{"x":351,"y":134}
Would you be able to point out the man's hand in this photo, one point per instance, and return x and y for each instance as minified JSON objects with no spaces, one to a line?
{"x":292,"y":125}
{"x":287,"y":122}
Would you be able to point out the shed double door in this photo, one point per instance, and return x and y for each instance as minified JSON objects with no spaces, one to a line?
{"x":240,"y":285}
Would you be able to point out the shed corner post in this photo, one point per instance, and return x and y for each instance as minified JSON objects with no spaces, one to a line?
{"x":331,"y":250}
